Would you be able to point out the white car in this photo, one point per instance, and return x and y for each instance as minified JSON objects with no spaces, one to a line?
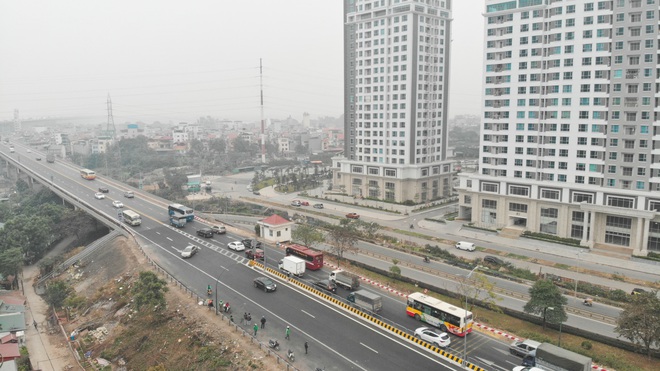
{"x":99,"y":196}
{"x":527,"y":368}
{"x":440,"y":340}
{"x":236,"y":246}
{"x":29,"y":151}
{"x":117,"y":204}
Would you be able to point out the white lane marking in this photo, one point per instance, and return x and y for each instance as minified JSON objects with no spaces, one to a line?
{"x":157,"y":232}
{"x":307,"y":313}
{"x":170,"y":239}
{"x":371,"y":349}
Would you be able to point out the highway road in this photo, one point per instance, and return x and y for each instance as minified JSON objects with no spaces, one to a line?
{"x":338,"y":339}
{"x":306,"y":312}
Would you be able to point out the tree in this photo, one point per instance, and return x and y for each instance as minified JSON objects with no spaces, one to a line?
{"x":395,"y":271}
{"x":57,"y":292}
{"x":308,"y":235}
{"x":150,"y":290}
{"x":480,"y":289}
{"x":543,"y":295}
{"x":11,"y":260}
{"x":640,"y":321}
{"x":344,"y":238}
{"x":369,"y":228}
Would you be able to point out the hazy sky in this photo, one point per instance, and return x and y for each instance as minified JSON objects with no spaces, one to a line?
{"x":179,"y":60}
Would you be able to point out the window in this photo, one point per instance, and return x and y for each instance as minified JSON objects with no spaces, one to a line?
{"x":490,"y":187}
{"x":519,"y":191}
{"x":550,"y":194}
{"x":624,"y":202}
{"x":583,"y":197}
{"x":489,"y":204}
{"x":518,"y":208}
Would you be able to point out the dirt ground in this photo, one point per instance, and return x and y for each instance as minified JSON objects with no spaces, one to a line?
{"x":186,"y":324}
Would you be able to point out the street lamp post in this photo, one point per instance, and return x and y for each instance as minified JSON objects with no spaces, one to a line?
{"x":466,"y":311}
{"x":216,"y":288}
{"x":560,"y":323}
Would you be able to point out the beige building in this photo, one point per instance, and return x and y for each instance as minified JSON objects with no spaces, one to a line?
{"x":275,"y":229}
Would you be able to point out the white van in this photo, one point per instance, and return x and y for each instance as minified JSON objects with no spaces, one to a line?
{"x":467,"y":246}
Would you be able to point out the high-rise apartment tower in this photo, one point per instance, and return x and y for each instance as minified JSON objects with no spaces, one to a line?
{"x":396,"y":65}
{"x":570,"y":136}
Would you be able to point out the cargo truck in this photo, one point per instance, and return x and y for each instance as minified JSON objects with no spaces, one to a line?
{"x":292,"y":265}
{"x":344,"y":279}
{"x":364,"y":299}
{"x":551,"y":357}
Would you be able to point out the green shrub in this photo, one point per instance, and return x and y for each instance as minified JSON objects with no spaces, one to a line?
{"x":587,"y":345}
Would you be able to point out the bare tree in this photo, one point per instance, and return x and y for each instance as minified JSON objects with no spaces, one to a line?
{"x":480,"y":288}
{"x":344,"y":237}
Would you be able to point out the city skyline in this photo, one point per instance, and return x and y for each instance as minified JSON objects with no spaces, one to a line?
{"x":167,"y":64}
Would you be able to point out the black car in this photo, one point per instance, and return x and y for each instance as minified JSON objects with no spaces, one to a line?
{"x":326,"y":285}
{"x":318,"y":206}
{"x":250,"y":244}
{"x":256,"y":193}
{"x":205,"y":232}
{"x":265,"y":284}
{"x":493,"y":260}
{"x":104,"y":190}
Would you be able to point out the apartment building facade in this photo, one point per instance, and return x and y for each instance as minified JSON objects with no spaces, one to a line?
{"x":396,"y":64}
{"x":570,"y":136}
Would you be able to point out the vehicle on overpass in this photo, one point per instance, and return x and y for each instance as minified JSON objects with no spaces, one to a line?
{"x":87,"y":174}
{"x":131,"y":217}
{"x":117,"y":204}
{"x":178,"y":222}
{"x":178,"y":210}
{"x":447,"y":317}
{"x":347,"y":280}
{"x":440,"y":340}
{"x":313,"y":259}
{"x":364,"y":299}
{"x":50,"y":158}
{"x":99,"y":195}
{"x":189,"y":251}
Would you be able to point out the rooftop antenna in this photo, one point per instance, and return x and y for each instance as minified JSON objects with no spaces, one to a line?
{"x":263,"y":124}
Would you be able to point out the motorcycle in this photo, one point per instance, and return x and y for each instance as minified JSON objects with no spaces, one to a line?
{"x":426,"y":259}
{"x":290,"y":355}
{"x":273,"y":344}
{"x":588,"y":302}
{"x":227,"y":308}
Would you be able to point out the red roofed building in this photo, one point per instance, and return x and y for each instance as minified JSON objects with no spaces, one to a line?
{"x":275,"y":228}
{"x":9,"y":351}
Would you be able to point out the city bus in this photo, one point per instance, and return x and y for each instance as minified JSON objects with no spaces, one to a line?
{"x":131,"y":217}
{"x":447,"y":317}
{"x":179,"y":210}
{"x":87,"y":174}
{"x":313,"y":259}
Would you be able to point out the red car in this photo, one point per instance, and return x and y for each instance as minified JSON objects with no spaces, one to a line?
{"x":304,"y":203}
{"x":353,"y":216}
{"x":257,"y":254}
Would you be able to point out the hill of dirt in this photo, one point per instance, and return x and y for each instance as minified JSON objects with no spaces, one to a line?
{"x":185,"y":336}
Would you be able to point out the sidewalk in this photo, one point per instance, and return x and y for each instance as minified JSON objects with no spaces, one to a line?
{"x":44,"y":355}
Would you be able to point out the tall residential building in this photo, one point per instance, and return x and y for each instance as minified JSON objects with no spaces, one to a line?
{"x":570,"y":135}
{"x":396,"y":67}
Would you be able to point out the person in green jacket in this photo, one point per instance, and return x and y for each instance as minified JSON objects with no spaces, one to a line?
{"x":256,"y":327}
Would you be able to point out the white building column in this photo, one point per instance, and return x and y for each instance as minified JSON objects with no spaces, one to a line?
{"x":585,"y":228}
{"x":644,"y":243}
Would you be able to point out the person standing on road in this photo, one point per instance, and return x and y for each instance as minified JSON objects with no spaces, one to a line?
{"x":34,"y":322}
{"x":263,"y":321}
{"x":306,"y":346}
{"x":288,"y":333}
{"x":256,"y":327}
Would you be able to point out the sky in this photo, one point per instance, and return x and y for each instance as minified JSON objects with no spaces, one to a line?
{"x":169,"y":60}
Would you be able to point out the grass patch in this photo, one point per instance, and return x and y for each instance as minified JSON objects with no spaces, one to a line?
{"x":516,"y":256}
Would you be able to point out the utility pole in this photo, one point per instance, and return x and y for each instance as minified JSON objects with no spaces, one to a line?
{"x":263,"y":123}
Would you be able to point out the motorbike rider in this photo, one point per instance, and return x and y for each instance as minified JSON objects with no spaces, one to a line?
{"x":208,"y":290}
{"x":426,"y":259}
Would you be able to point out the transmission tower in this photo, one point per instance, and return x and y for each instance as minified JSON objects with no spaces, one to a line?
{"x":110,"y":128}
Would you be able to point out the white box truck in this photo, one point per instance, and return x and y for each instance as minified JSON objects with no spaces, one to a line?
{"x":344,"y":279}
{"x":292,"y":265}
{"x":364,"y":299}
